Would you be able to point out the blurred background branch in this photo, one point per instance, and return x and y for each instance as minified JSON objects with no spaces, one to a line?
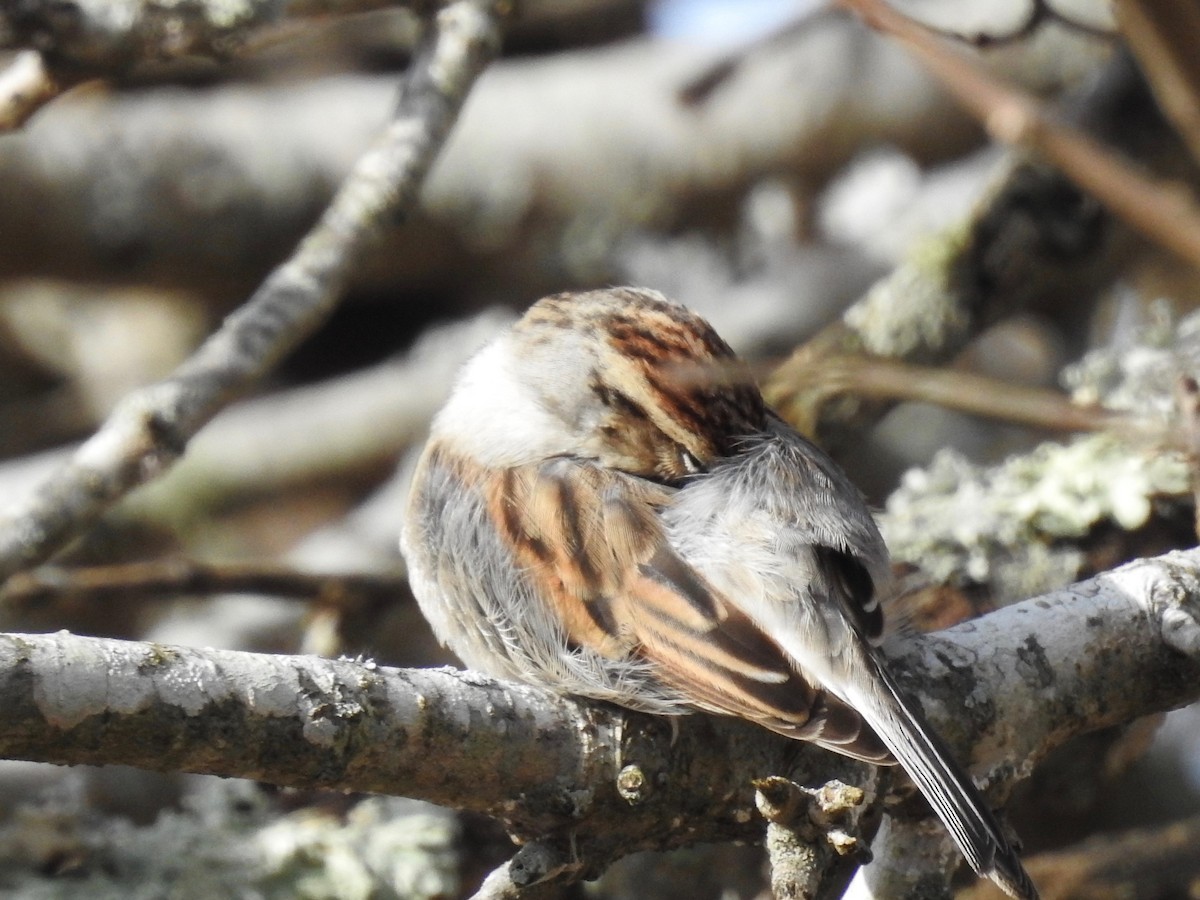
{"x":152,"y":426}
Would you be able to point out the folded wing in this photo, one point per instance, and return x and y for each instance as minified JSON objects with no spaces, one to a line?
{"x":592,"y":539}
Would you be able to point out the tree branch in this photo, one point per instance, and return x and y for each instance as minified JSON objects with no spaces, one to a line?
{"x":611,"y":108}
{"x":1102,"y":652}
{"x":151,"y":427}
{"x":1159,"y":210}
{"x":875,"y":378}
{"x":813,"y":840}
{"x":93,"y":39}
{"x":272,"y":443}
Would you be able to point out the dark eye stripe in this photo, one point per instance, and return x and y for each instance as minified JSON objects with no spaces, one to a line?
{"x":631,"y":408}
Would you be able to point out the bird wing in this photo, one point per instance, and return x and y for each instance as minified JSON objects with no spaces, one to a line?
{"x":590,"y":539}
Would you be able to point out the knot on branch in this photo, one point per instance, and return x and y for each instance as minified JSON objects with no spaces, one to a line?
{"x":1181,"y":625}
{"x":828,"y":813}
{"x":539,"y":862}
{"x":1177,"y":595}
{"x":633,"y":785}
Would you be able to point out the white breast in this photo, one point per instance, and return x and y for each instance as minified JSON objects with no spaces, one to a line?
{"x":496,"y":416}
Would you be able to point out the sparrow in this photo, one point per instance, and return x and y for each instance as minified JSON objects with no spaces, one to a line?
{"x":607,"y":508}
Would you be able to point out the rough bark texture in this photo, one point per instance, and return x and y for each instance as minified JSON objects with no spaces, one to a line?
{"x":1004,"y":690}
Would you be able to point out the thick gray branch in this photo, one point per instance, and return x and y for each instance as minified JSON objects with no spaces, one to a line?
{"x":1004,"y":690}
{"x":151,"y":428}
{"x":538,"y":761}
{"x":1098,"y":653}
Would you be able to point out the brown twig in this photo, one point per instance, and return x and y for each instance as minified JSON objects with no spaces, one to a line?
{"x":1164,"y":213}
{"x":151,"y":428}
{"x":880,"y":379}
{"x":1162,"y":35}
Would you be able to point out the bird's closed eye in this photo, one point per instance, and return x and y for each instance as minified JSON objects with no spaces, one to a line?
{"x":690,"y":464}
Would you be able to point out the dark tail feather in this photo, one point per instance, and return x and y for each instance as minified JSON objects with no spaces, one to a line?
{"x":945,"y":784}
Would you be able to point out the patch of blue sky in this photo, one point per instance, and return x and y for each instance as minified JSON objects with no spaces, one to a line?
{"x":722,"y":23}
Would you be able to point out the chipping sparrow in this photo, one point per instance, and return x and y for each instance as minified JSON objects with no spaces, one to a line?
{"x":607,"y":508}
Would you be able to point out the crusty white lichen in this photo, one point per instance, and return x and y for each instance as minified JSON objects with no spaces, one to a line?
{"x":914,"y":309}
{"x":385,"y":847}
{"x":1014,"y":526}
{"x":228,"y":841}
{"x":1008,"y":526}
{"x":1140,"y":376}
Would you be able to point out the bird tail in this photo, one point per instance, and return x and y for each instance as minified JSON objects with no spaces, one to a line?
{"x":947,"y":787}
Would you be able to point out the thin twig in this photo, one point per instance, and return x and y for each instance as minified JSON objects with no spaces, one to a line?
{"x":881,"y":379}
{"x":150,"y":429}
{"x":1166,"y":214}
{"x":101,"y":39}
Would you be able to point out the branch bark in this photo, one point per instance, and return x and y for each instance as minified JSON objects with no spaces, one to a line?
{"x":1003,"y":690}
{"x":274,"y":443}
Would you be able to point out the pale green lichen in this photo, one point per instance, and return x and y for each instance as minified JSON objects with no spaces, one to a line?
{"x":1141,"y":376}
{"x":959,"y":521}
{"x":914,"y":310}
{"x":375,"y":852}
{"x":1016,"y":527}
{"x":228,"y":841}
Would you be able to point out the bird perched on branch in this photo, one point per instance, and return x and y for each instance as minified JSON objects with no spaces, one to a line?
{"x":607,"y":508}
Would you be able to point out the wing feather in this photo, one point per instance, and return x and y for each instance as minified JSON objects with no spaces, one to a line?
{"x":592,"y":540}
